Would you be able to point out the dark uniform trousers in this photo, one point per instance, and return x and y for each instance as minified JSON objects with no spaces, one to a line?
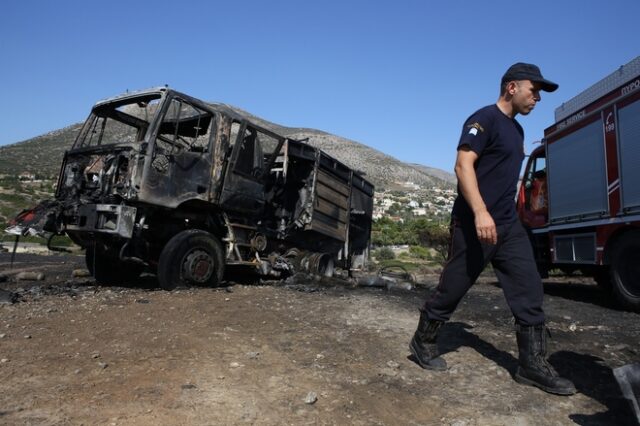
{"x":512,"y":260}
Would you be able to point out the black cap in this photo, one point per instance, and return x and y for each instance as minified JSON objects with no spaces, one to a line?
{"x":522,"y":71}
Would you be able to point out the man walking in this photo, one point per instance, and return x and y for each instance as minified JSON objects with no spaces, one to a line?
{"x":485,"y":228}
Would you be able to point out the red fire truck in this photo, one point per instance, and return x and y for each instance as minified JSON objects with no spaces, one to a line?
{"x":580,"y":194}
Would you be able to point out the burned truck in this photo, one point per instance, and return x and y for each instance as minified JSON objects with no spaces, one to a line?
{"x":161,"y":182}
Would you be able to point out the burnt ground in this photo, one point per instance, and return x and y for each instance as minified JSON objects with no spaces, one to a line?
{"x":303,"y":352}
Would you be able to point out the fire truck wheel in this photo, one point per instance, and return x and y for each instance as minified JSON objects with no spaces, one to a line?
{"x":108,"y":269}
{"x":625,"y":270}
{"x":191,"y":257}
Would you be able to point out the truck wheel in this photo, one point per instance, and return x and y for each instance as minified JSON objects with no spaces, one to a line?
{"x":625,"y":271}
{"x":109,"y":270}
{"x":192,"y":257}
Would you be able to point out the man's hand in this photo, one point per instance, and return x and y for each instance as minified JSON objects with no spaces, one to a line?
{"x":486,"y":228}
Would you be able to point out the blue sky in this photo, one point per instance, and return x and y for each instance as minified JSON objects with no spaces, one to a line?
{"x":399,"y":76}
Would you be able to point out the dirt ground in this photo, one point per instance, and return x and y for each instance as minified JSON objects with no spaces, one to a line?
{"x":299,"y":352}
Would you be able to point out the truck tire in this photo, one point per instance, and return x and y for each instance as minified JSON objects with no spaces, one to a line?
{"x":191,"y":257}
{"x":625,"y":270}
{"x":109,"y":270}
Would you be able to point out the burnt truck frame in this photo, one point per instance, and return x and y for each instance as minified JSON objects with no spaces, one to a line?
{"x":163,"y":182}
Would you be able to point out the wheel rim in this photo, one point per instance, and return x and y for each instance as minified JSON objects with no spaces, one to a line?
{"x":198,"y":266}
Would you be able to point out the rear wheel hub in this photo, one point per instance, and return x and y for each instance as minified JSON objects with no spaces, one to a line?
{"x":198,"y":266}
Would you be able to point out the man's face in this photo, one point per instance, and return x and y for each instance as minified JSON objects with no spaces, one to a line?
{"x":525,"y":95}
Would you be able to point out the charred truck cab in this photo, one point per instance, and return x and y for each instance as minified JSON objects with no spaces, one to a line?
{"x":580,"y":196}
{"x":160,"y":181}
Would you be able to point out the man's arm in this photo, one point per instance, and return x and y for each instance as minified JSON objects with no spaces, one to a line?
{"x":466,"y":173}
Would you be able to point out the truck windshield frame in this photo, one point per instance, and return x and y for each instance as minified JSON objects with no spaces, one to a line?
{"x":123,"y":121}
{"x":184,"y":125}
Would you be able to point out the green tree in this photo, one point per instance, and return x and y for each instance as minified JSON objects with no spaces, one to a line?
{"x":414,"y":232}
{"x":419,"y":252}
{"x":384,"y":253}
{"x":437,"y":237}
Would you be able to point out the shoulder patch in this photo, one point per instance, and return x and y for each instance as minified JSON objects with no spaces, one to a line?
{"x":474,"y":128}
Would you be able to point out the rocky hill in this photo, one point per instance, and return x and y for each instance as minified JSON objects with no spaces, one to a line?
{"x":42,"y":156}
{"x":437,"y":173}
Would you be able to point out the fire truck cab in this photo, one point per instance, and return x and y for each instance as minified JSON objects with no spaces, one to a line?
{"x":580,"y":194}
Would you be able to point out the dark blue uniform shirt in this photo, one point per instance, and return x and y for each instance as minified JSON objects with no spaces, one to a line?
{"x":499,"y":142}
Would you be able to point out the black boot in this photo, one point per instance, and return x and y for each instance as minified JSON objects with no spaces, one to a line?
{"x":534,"y":369}
{"x":423,"y":346}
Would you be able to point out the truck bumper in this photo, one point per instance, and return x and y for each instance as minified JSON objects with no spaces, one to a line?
{"x":104,"y":218}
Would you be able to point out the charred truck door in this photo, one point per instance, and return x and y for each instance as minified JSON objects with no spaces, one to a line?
{"x":244,"y":184}
{"x":181,"y":164}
